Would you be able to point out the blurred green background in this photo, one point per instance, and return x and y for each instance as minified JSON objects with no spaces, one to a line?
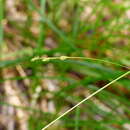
{"x":32,"y":94}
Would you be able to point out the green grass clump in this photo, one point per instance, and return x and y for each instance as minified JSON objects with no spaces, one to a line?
{"x":56,"y":53}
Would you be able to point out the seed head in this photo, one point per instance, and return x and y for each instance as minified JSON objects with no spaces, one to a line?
{"x":35,"y":58}
{"x":63,"y":57}
{"x":45,"y":59}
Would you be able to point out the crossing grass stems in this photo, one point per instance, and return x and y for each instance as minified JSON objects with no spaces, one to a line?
{"x":91,"y":95}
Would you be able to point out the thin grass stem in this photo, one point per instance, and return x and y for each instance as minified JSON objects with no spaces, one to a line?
{"x":80,"y":58}
{"x":78,"y":104}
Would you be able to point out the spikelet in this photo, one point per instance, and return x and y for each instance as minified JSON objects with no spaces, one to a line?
{"x":35,"y":58}
{"x":45,"y":59}
{"x":63,"y":57}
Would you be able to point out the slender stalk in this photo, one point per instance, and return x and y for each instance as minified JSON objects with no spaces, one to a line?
{"x":78,"y":104}
{"x":83,"y":58}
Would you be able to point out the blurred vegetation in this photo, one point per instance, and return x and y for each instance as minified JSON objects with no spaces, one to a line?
{"x":32,"y":94}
